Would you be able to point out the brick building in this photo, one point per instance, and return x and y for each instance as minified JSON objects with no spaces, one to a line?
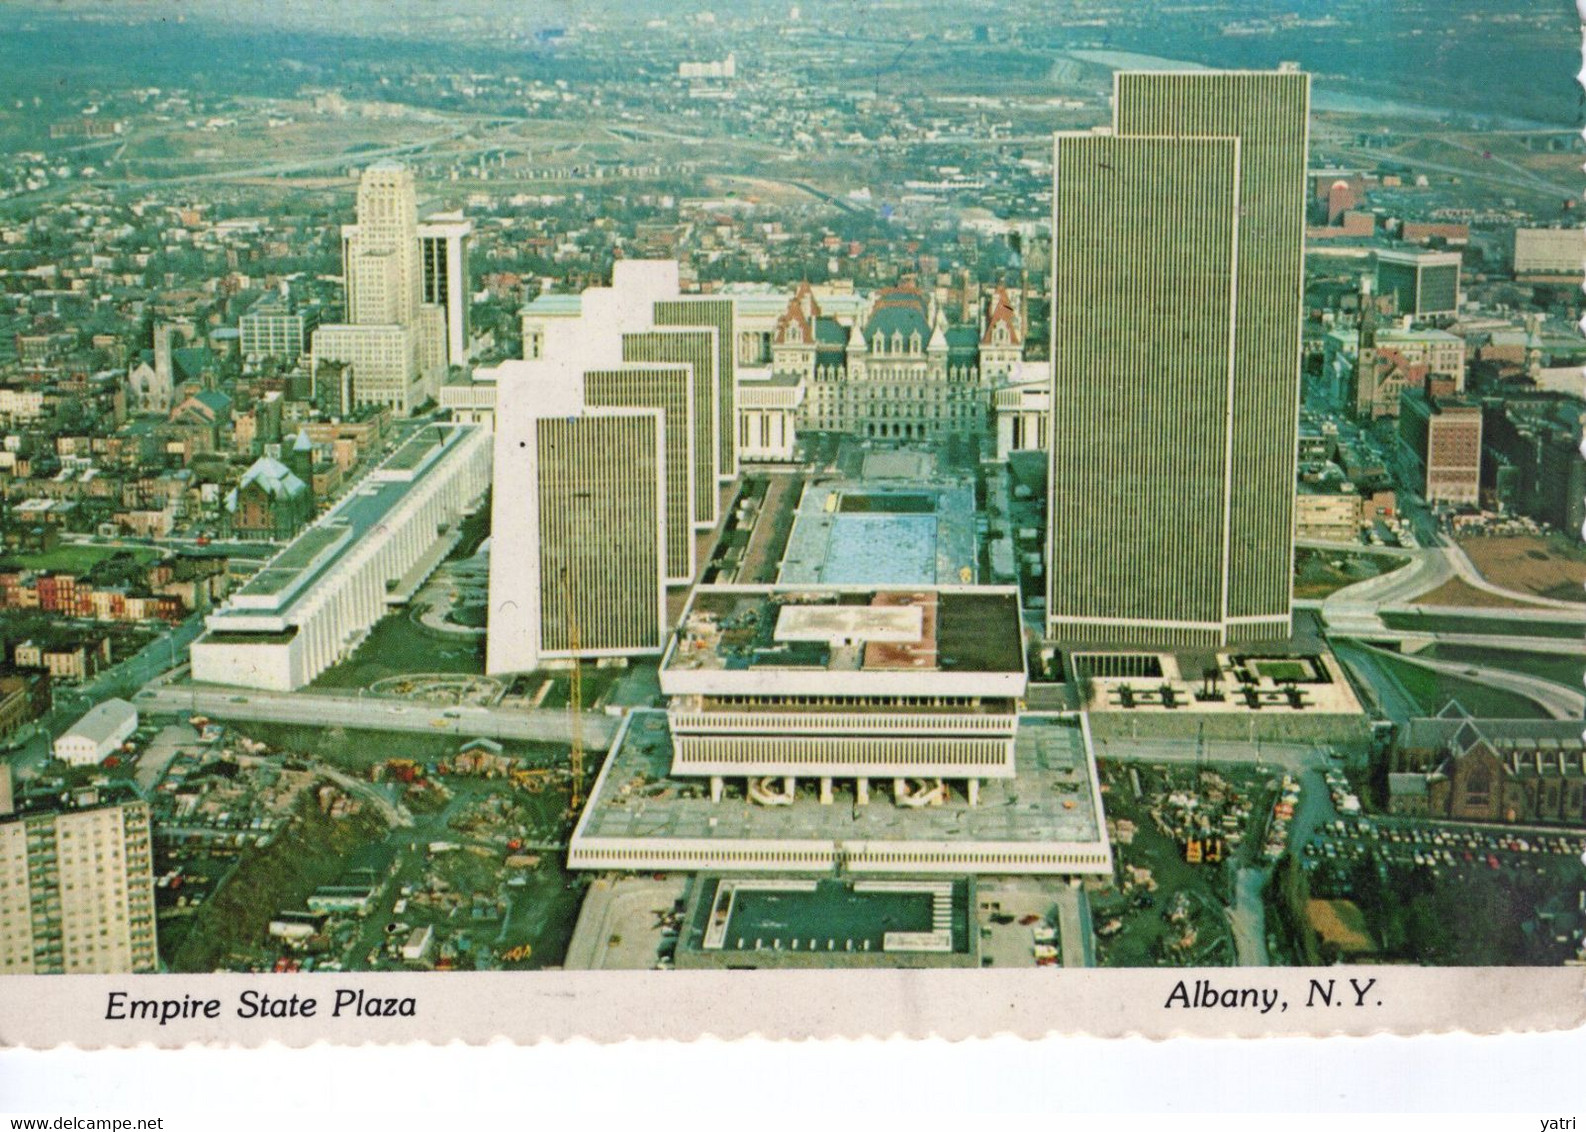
{"x":1444,"y":435}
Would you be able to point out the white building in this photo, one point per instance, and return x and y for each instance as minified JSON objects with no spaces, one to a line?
{"x":578,"y":544}
{"x":1022,"y":409}
{"x":471,"y":398}
{"x":443,"y":263}
{"x":1550,"y":251}
{"x":768,"y":408}
{"x":314,"y":601}
{"x":91,"y":864}
{"x":272,"y":328}
{"x":419,"y":944}
{"x":382,"y":364}
{"x":96,"y":735}
{"x":396,"y":341}
{"x":846,"y":683}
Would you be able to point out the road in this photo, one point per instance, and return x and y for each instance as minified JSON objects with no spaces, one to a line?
{"x":824,"y":197}
{"x":1383,"y":686}
{"x":1515,"y":176}
{"x":1556,"y":699}
{"x":1073,"y":928}
{"x":370,"y":713}
{"x":1554,"y":646}
{"x":1356,"y":611}
{"x":71,"y":702}
{"x":1293,"y":757}
{"x":1248,"y":918}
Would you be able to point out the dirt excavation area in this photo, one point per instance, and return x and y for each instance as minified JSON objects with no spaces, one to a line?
{"x":1547,"y":566}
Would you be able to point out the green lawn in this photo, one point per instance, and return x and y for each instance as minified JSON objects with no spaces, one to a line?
{"x":1499,"y":626}
{"x":76,"y":559}
{"x":396,"y":646}
{"x":1566,"y":670}
{"x":1316,"y":576}
{"x":1432,"y":691}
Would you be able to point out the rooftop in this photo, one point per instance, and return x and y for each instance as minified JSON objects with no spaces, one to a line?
{"x":415,"y":450}
{"x":104,"y":720}
{"x":1052,"y":801}
{"x":555,"y":306}
{"x":291,"y":573}
{"x":747,"y":628}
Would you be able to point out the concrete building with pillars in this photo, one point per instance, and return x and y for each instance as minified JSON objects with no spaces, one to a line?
{"x":311,"y":604}
{"x":768,"y":409}
{"x":914,"y":688}
{"x":849,"y":729}
{"x":1021,"y":409}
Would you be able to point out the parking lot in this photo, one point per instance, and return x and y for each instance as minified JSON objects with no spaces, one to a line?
{"x":1450,"y":893}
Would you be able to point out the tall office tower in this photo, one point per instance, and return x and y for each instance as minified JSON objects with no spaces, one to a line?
{"x":1421,"y":283}
{"x":79,"y":894}
{"x":1141,"y":370}
{"x":382,"y":250}
{"x":1177,"y":262}
{"x":644,"y":297}
{"x":578,"y":550}
{"x":395,"y":342}
{"x":605,"y":448}
{"x":443,"y":262}
{"x":643,"y":319}
{"x":719,"y":315}
{"x":671,"y":390}
{"x":696,"y":350}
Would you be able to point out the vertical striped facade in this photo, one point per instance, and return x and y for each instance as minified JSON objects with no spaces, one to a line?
{"x":597,"y":480}
{"x":1268,"y":112}
{"x":695,"y":349}
{"x":671,"y":390}
{"x":79,"y":897}
{"x":1145,"y":247}
{"x":718,"y":315}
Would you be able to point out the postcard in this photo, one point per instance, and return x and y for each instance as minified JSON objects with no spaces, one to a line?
{"x":788,"y":518}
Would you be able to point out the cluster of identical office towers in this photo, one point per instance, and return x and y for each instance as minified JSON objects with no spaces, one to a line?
{"x":1176,"y":315}
{"x":1178,"y":257}
{"x":610,"y":451}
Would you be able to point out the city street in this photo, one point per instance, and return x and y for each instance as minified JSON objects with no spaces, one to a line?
{"x":70,"y":702}
{"x":374,"y":714}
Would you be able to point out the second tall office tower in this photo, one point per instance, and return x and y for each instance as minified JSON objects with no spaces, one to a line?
{"x":1177,"y":275}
